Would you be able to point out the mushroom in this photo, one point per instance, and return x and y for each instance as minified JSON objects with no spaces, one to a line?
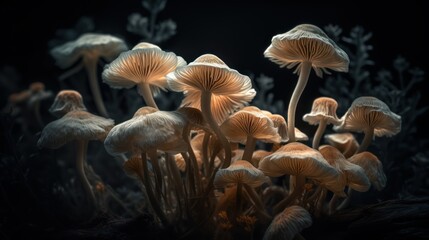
{"x":299,"y":160}
{"x":66,"y":101}
{"x":288,"y":224}
{"x":305,"y":46}
{"x":246,"y":127}
{"x":345,"y":142}
{"x":145,"y":66}
{"x":242,"y":174}
{"x":90,"y":47}
{"x":214,"y":88}
{"x":79,"y":126}
{"x":323,"y":112}
{"x":372,"y":167}
{"x":373,"y":117}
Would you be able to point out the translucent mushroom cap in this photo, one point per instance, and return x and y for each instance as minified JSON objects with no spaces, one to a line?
{"x":92,"y":45}
{"x":66,"y":101}
{"x":298,"y":159}
{"x":75,"y":125}
{"x":346,"y":143}
{"x":307,"y":42}
{"x":323,"y":108}
{"x":147,"y":65}
{"x":372,"y":167}
{"x":287,"y":224}
{"x":353,"y":175}
{"x":240,"y":171}
{"x":242,"y":124}
{"x":230,"y":90}
{"x":370,"y":112}
{"x":155,"y":130}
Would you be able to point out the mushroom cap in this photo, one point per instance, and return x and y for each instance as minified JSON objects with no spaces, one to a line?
{"x":147,"y":65}
{"x":345,"y":142}
{"x":298,"y":159}
{"x":132,"y":167}
{"x":157,"y":130}
{"x":75,"y":125}
{"x":144,"y":45}
{"x":372,"y":167}
{"x":92,"y":45}
{"x":287,"y":224}
{"x":352,"y":175}
{"x":66,"y":101}
{"x":323,"y":108}
{"x":258,"y":155}
{"x":242,"y":124}
{"x":370,"y":112}
{"x":230,"y":90}
{"x":307,"y":42}
{"x":240,"y":171}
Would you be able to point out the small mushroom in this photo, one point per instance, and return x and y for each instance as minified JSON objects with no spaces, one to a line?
{"x":345,"y":142}
{"x":305,"y":46}
{"x":90,"y":47}
{"x":371,"y":116}
{"x":372,"y":167}
{"x":145,"y":66}
{"x":288,"y":224}
{"x":81,"y":127}
{"x":323,"y":112}
{"x":66,"y":101}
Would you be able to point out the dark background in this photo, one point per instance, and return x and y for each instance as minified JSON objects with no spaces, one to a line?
{"x":236,"y":31}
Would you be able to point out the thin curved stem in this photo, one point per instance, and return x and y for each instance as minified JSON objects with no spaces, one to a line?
{"x":248,"y":150}
{"x":144,"y":90}
{"x":91,"y":69}
{"x":319,"y":133}
{"x":80,"y":167}
{"x":207,"y":113}
{"x":70,"y":72}
{"x":369,"y":135}
{"x":297,"y":192}
{"x":299,"y":88}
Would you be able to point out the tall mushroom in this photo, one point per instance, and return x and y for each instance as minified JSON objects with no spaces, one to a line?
{"x":305,"y":46}
{"x":90,"y":47}
{"x":323,"y":112}
{"x":214,"y":88}
{"x":79,"y":126}
{"x":145,"y":66}
{"x":371,"y":116}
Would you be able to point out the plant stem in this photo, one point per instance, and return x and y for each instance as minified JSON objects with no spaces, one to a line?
{"x":299,"y":88}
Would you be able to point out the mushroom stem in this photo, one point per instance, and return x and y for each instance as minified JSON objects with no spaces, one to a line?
{"x":369,"y":135}
{"x":239,"y":200}
{"x":257,"y":202}
{"x":319,"y":133}
{"x":80,"y":167}
{"x":149,"y":191}
{"x":332,"y":204}
{"x":205,"y":154}
{"x":153,"y":155}
{"x":320,"y":202}
{"x":70,"y":72}
{"x":91,"y":69}
{"x":248,"y":150}
{"x":297,"y":192}
{"x":345,"y":203}
{"x":207,"y":113}
{"x":144,"y":90}
{"x":299,"y":88}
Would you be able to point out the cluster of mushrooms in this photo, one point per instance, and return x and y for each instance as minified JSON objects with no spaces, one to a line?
{"x":199,"y":166}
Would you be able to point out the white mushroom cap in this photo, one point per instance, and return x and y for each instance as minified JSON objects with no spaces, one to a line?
{"x":240,"y":171}
{"x":230,"y":90}
{"x":307,"y":42}
{"x":298,"y":159}
{"x":92,"y":45}
{"x":242,"y":124}
{"x":75,"y":125}
{"x":352,"y":175}
{"x":370,"y":112}
{"x":372,"y":167}
{"x":323,"y":108}
{"x":147,"y":65}
{"x":287,"y":224}
{"x":157,"y":130}
{"x":67,"y":101}
{"x":144,"y":45}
